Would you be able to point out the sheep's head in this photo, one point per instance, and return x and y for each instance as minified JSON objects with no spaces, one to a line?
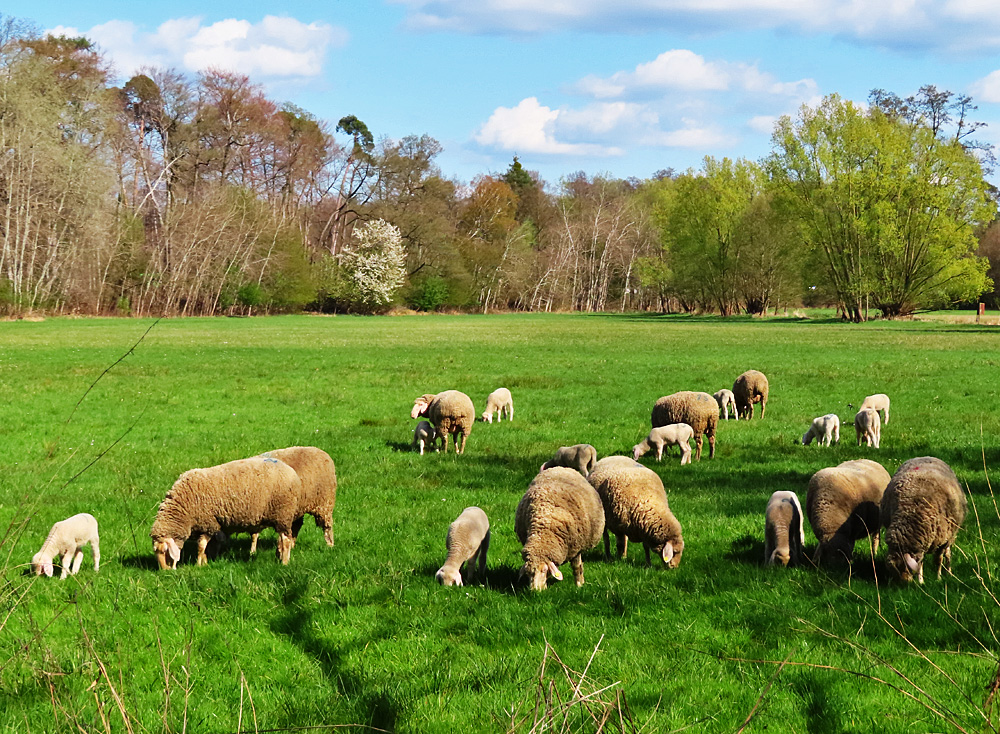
{"x":420,"y":405}
{"x":905,"y":566}
{"x":488,"y":416}
{"x":638,"y":450}
{"x":779,"y":558}
{"x":40,"y":565}
{"x":168,"y":553}
{"x":671,"y":553}
{"x":807,"y":437}
{"x":449,"y":577}
{"x":539,"y":573}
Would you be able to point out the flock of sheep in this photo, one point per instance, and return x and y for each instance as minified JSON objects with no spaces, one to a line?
{"x":573,"y":501}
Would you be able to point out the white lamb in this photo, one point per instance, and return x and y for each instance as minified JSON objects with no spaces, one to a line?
{"x":424,"y":435}
{"x":868,"y":426}
{"x":826,"y":429}
{"x":676,"y":434}
{"x":878,"y":402}
{"x":468,"y":542}
{"x":67,"y":538}
{"x":499,"y":401}
{"x":726,"y":400}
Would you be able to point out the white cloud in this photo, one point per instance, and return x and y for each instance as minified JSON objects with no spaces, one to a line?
{"x":987,"y":89}
{"x":530,"y":128}
{"x":763,"y":124}
{"x":276,"y":47}
{"x":926,"y":24}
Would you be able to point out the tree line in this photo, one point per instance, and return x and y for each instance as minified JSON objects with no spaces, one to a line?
{"x":181,"y":195}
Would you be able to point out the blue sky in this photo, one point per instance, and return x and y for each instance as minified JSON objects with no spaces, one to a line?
{"x":623,"y":88}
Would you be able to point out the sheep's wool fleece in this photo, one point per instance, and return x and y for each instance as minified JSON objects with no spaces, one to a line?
{"x":634,"y":501}
{"x":242,"y":495}
{"x":923,"y":507}
{"x":698,"y":409}
{"x":317,"y":473}
{"x":845,"y":499}
{"x":559,"y":517}
{"x":452,"y":411}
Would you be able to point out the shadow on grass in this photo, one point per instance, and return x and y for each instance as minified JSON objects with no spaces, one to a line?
{"x":379,"y":707}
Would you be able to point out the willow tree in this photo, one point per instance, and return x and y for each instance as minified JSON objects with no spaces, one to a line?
{"x":888,"y":206}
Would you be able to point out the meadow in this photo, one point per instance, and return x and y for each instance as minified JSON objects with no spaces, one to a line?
{"x":360,"y":637}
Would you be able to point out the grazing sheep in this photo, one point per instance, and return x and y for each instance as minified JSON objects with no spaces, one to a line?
{"x":318,"y":493}
{"x":726,"y":400}
{"x":468,"y":540}
{"x":826,"y":429}
{"x":241,"y":496}
{"x":843,"y":507}
{"x":676,"y":434}
{"x":450,"y":412}
{"x":581,"y":457}
{"x":424,"y":435}
{"x":558,"y":518}
{"x":635,"y":507}
{"x":67,"y":538}
{"x":923,"y":509}
{"x":698,"y":409}
{"x":499,"y":401}
{"x":868,"y":427}
{"x":783,"y":533}
{"x":750,"y":387}
{"x":879,"y":401}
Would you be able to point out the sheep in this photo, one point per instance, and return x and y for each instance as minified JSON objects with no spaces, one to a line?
{"x":450,"y":412}
{"x":842,"y":504}
{"x":424,"y":435}
{"x":635,"y":507}
{"x":499,"y":401}
{"x":581,"y":457}
{"x":676,"y":434}
{"x":726,"y":399}
{"x":826,"y":429}
{"x":698,"y":409}
{"x":923,"y":509}
{"x":468,"y":541}
{"x":67,"y":538}
{"x":318,"y":493}
{"x":783,"y":532}
{"x":879,"y":401}
{"x":559,"y":517}
{"x":240,"y":496}
{"x":868,"y":427}
{"x":750,"y":387}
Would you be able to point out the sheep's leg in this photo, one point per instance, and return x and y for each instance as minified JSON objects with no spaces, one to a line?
{"x":462,"y":450}
{"x":645,"y":547}
{"x":577,"y":563}
{"x":510,"y":413}
{"x":763,"y":407}
{"x":685,"y":453}
{"x":253,"y":542}
{"x":711,"y":447}
{"x":659,"y":452}
{"x":444,"y":442}
{"x":621,"y":544}
{"x":95,"y":547}
{"x":327,"y":524}
{"x":285,"y":543}
{"x":607,"y":545}
{"x":202,"y":545}
{"x":483,"y":549}
{"x":698,"y":442}
{"x":67,"y":562}
{"x":77,"y":561}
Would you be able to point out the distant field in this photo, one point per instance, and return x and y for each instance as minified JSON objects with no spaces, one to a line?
{"x":361,"y":634}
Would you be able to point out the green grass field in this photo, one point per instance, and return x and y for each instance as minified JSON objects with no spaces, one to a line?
{"x":360,"y":634}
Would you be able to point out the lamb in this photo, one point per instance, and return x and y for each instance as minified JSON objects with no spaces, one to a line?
{"x":499,"y":401}
{"x":424,"y":435}
{"x":868,"y":427}
{"x":67,"y":538}
{"x":784,"y":536}
{"x":559,"y":517}
{"x":826,"y":429}
{"x":726,"y":400}
{"x":241,"y":496}
{"x":923,"y":509}
{"x":676,"y":434}
{"x":879,"y":401}
{"x":581,"y":457}
{"x":750,"y":387}
{"x":468,"y":540}
{"x":842,"y":503}
{"x":698,"y":409}
{"x":318,"y":493}
{"x":450,"y":412}
{"x":635,"y":507}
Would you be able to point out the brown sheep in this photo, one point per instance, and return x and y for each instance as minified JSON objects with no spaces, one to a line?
{"x":450,"y":412}
{"x":750,"y":387}
{"x":783,"y":534}
{"x":319,"y":488}
{"x":923,"y":509}
{"x":698,"y":409}
{"x":842,"y":503}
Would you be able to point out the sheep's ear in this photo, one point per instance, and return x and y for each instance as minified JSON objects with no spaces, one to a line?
{"x":543,"y":467}
{"x":173,"y":551}
{"x":667,"y":553}
{"x":555,"y":572}
{"x":911,"y":562}
{"x":458,"y":581}
{"x":47,"y":569}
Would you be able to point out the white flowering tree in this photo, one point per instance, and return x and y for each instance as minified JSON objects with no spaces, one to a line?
{"x":375,"y":262}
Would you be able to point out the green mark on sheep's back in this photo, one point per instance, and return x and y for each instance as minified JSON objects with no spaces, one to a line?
{"x":361,"y":634}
